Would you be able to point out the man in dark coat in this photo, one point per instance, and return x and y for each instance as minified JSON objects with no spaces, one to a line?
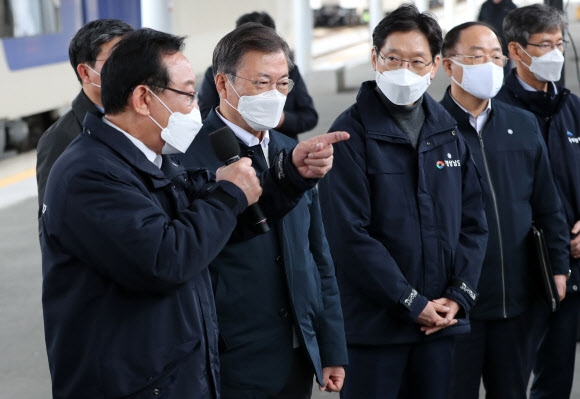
{"x":88,"y":51}
{"x":128,"y":234}
{"x":299,"y":114}
{"x":403,"y":211}
{"x":519,"y":188}
{"x":493,"y":12}
{"x":277,"y":300}
{"x":535,"y":36}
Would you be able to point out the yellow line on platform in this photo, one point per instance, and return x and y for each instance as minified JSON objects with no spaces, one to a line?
{"x":17,"y":177}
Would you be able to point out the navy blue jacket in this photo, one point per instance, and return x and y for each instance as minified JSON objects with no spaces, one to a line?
{"x":404,"y":225}
{"x":127,"y":298}
{"x":559,"y":119}
{"x":299,"y":112}
{"x":266,"y":285}
{"x":519,"y":188}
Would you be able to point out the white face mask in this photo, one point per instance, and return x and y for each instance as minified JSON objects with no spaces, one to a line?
{"x":261,"y":111}
{"x":401,"y":86}
{"x":98,"y":74}
{"x":180,"y":131}
{"x":481,"y":81}
{"x":548,"y":67}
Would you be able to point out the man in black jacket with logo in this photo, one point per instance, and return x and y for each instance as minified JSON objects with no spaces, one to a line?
{"x":535,"y":36}
{"x":519,"y":188}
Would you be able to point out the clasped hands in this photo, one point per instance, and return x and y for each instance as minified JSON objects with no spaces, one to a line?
{"x":437,"y":315}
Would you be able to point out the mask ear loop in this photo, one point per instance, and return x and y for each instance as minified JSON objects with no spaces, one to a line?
{"x":531,"y":57}
{"x":98,"y":74}
{"x":235,"y":91}
{"x":166,"y":107}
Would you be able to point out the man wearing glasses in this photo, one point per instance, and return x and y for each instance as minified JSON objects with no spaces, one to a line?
{"x":403,"y":211}
{"x":535,"y":36}
{"x":277,"y":301}
{"x":508,"y":148}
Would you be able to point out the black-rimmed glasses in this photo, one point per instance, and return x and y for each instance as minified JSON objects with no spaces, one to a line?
{"x":192,"y":96}
{"x":550,"y":46}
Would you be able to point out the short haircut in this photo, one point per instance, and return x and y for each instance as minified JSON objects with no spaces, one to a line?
{"x":260,"y":17}
{"x":452,"y":37}
{"x":247,"y":37}
{"x":523,"y":22}
{"x":137,"y":59}
{"x":407,"y":18}
{"x":86,"y":44}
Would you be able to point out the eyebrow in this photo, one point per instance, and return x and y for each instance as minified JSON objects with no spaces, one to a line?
{"x":415,"y":54}
{"x":265,"y":75}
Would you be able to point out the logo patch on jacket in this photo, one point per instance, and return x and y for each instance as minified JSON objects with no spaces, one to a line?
{"x":411,"y":298}
{"x":468,"y":291}
{"x":571,"y":138}
{"x":448,"y":163}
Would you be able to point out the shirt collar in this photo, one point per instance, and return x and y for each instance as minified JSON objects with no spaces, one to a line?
{"x":530,"y":88}
{"x":479,"y":122}
{"x":150,"y":154}
{"x":247,"y":138}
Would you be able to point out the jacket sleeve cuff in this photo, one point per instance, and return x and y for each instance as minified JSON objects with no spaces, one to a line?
{"x":462,"y":293}
{"x":287,"y":176}
{"x":414,"y":302}
{"x":227,"y":193}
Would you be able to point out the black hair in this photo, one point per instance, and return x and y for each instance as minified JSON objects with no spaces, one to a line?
{"x":86,"y":44}
{"x":260,"y":17}
{"x":407,"y":18}
{"x":452,"y":37}
{"x":250,"y":36}
{"x":137,"y":59}
{"x":523,"y":22}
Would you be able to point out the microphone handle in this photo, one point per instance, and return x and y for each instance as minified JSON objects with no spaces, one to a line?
{"x":261,"y":223}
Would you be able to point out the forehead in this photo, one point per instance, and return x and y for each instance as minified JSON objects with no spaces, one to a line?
{"x":478,"y":37}
{"x":179,"y":69}
{"x":412,"y":43}
{"x":257,"y":63}
{"x":546,"y":36}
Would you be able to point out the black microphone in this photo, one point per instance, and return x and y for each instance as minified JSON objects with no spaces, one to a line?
{"x":226,"y":148}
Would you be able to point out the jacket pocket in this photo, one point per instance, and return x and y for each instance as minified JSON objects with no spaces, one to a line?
{"x":161,"y":388}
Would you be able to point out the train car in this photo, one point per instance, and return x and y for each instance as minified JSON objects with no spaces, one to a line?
{"x":37,"y":82}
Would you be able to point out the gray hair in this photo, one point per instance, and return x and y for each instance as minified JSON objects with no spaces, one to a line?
{"x":523,"y":22}
{"x":250,"y":36}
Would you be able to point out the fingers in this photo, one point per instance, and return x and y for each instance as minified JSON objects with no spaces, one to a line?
{"x":575,"y":247}
{"x":431,"y":330}
{"x":576,"y":228}
{"x":439,"y":308}
{"x":323,"y":141}
{"x":334,"y":137}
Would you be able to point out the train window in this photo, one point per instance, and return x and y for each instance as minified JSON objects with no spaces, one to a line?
{"x":22,"y":18}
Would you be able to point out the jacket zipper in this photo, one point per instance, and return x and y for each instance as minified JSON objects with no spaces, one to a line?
{"x":494,"y":199}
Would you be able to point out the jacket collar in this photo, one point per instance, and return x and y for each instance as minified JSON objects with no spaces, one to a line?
{"x":377,"y":119}
{"x":539,"y":102}
{"x":81,"y":105}
{"x":214,"y":122}
{"x":122,"y":146}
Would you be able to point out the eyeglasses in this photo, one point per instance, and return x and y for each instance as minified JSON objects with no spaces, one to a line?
{"x":283,"y":86}
{"x":500,"y":60}
{"x":192,"y":96}
{"x":393,"y":62}
{"x":550,"y":46}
